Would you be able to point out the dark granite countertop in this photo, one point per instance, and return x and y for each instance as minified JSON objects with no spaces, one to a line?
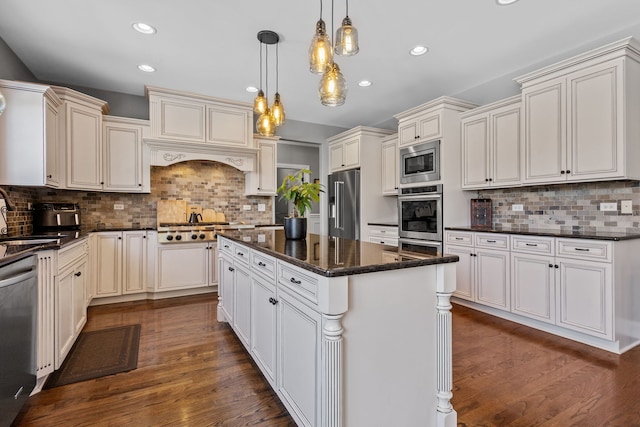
{"x":332,"y":257}
{"x":10,"y":253}
{"x":576,"y":234}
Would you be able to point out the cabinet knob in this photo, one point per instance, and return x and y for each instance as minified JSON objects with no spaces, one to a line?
{"x":486,"y":180}
{"x":556,"y":266}
{"x":550,"y":265}
{"x":119,"y":238}
{"x":102,"y":183}
{"x":568,"y":171}
{"x":273,"y":300}
{"x":139,"y":185}
{"x":490,"y":179}
{"x":49,"y":176}
{"x":231,"y":269}
{"x":416,"y":137}
{"x":240,"y":254}
{"x":258,"y":188}
{"x":561,"y":172}
{"x":78,"y":274}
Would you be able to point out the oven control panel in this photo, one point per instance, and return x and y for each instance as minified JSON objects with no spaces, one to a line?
{"x":186,"y":236}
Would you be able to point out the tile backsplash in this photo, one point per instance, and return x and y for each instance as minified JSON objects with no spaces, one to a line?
{"x":566,"y":207}
{"x":210,"y":185}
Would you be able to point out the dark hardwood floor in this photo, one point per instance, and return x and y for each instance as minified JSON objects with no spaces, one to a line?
{"x":193,"y":371}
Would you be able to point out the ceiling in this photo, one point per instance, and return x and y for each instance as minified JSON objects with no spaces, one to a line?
{"x":210,"y":47}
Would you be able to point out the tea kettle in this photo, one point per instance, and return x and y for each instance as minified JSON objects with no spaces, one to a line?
{"x":193,"y":219}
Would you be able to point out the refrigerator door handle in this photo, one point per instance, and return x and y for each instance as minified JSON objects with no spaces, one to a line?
{"x":338,"y":185}
{"x":332,"y":210}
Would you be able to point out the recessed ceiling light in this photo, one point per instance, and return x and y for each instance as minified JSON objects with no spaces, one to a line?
{"x":146,"y":68}
{"x":143,"y":28}
{"x":419,"y":50}
{"x":251,"y":89}
{"x":505,"y":2}
{"x":365,"y":83}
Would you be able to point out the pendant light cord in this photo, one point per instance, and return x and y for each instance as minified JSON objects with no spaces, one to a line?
{"x":347,"y":8}
{"x":332,"y":34}
{"x":277,"y":67}
{"x":320,"y":9}
{"x":260,"y":65}
{"x":266,"y":72}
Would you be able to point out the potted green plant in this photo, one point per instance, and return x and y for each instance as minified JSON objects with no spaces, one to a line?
{"x":301,"y":194}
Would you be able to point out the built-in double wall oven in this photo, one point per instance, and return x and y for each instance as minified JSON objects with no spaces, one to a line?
{"x":420,"y":219}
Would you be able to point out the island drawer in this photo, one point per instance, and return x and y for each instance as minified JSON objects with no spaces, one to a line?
{"x":225,"y":246}
{"x":298,"y":281}
{"x":464,"y":238}
{"x":529,"y":244}
{"x":263,"y":264}
{"x":383,"y":231}
{"x":492,"y":241}
{"x":584,"y":249}
{"x":241,"y":253}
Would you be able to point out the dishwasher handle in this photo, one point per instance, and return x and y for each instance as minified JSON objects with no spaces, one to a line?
{"x":19,"y":278}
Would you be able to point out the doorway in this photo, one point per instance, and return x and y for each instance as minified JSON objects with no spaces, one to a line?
{"x":284,"y":207}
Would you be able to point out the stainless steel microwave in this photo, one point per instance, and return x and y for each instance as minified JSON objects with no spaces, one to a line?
{"x":420,"y":163}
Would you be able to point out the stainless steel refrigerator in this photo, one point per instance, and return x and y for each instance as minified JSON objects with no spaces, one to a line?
{"x":344,"y":204}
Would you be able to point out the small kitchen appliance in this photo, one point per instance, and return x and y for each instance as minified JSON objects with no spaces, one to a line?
{"x":56,"y":216}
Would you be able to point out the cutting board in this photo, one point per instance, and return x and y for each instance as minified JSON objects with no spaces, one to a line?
{"x":208,"y":215}
{"x":172,"y":211}
{"x":220,"y":217}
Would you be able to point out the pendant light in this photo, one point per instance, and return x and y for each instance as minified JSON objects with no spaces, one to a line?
{"x":266,"y":125}
{"x":260,"y":103}
{"x":277,"y":109}
{"x":333,"y":86}
{"x":347,"y":37}
{"x":321,"y":50}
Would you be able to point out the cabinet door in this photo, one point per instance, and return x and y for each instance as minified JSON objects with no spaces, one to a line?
{"x":493,"y":278}
{"x":79,"y":278}
{"x":230,"y":126}
{"x":84,"y":147}
{"x":242,"y":307}
{"x":263,"y":182}
{"x":134,"y":255}
{"x":65,"y":325}
{"x":585,"y":297}
{"x":465,"y":271}
{"x":177,"y":118}
{"x":182,"y":266}
{"x":545,"y":132}
{"x":352,"y":153}
{"x":122,"y":156}
{"x":408,"y":133}
{"x":533,"y":286}
{"x":595,"y":104}
{"x":505,"y":146}
{"x":475,"y":152}
{"x":430,"y":126}
{"x":263,"y":326}
{"x":390,"y":168}
{"x":52,"y":142}
{"x":336,"y":156}
{"x":225,"y":287}
{"x":108,"y":264}
{"x":213,"y":264}
{"x":299,"y":352}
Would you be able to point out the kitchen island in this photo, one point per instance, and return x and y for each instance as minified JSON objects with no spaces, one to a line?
{"x":348,"y":333}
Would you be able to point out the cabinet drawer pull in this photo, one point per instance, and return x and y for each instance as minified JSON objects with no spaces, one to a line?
{"x":78,"y":274}
{"x":226,"y":246}
{"x":297,"y":282}
{"x":550,"y":265}
{"x":491,"y":241}
{"x":535,"y":245}
{"x":240,"y":253}
{"x":458,"y":238}
{"x":582,"y":249}
{"x":556,"y":266}
{"x":273,"y":300}
{"x":232,"y":269}
{"x":262,"y":264}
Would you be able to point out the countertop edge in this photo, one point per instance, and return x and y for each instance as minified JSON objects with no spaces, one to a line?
{"x":550,"y":233}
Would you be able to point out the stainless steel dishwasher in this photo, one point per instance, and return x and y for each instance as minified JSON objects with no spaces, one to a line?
{"x":18,"y":334}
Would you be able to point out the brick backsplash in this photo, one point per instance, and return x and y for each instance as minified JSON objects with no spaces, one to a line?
{"x":208,"y":184}
{"x":566,"y":207}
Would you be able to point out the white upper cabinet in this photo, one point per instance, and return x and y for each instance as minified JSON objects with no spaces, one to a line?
{"x":82,"y":118}
{"x":263,"y":182}
{"x":30,"y":152}
{"x":420,"y":127}
{"x":578,"y":119}
{"x":344,"y":154}
{"x":125,"y":165}
{"x":390,"y":165}
{"x":491,"y":145}
{"x":188,"y":117}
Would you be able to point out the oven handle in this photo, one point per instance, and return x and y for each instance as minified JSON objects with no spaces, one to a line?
{"x":416,"y":242}
{"x":420,"y":197}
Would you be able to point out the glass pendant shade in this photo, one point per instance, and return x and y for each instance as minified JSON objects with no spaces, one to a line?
{"x":265,"y":125}
{"x":3,"y":103}
{"x":333,"y":87}
{"x":320,"y":51}
{"x":277,"y":111}
{"x":347,"y":39}
{"x":260,"y":103}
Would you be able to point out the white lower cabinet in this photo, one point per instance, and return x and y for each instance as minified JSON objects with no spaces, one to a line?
{"x":385,"y":235}
{"x":482,"y":273}
{"x":47,"y":271}
{"x":263,"y":325}
{"x":299,"y":338}
{"x":70,"y":299}
{"x":185,"y":266}
{"x":119,"y":262}
{"x":242,"y":302}
{"x":225,"y":288}
{"x":566,"y":283}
